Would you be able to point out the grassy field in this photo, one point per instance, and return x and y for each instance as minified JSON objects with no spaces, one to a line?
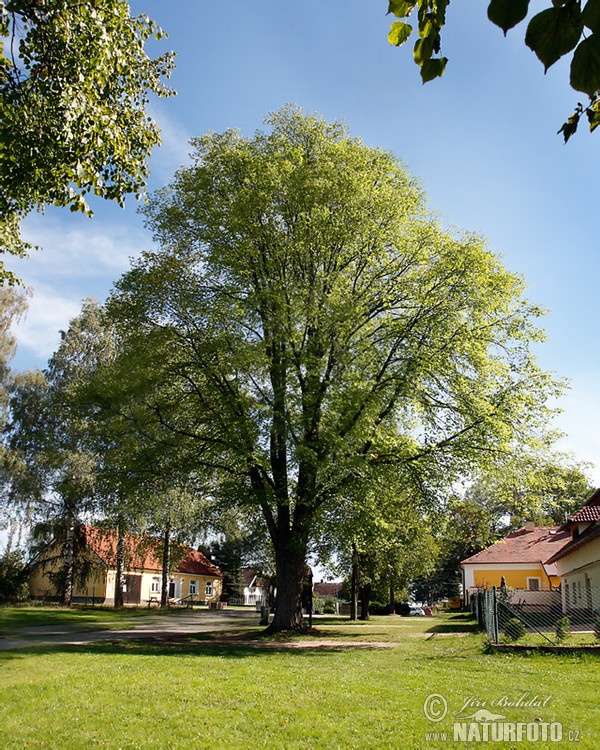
{"x":245,"y":691}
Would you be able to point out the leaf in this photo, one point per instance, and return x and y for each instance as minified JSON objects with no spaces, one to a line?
{"x":570,"y":126}
{"x":585,"y":66}
{"x":591,"y":15}
{"x":507,"y":13}
{"x":433,"y":68}
{"x":554,"y":32}
{"x":423,"y":49}
{"x":401,"y":8}
{"x":399,"y":33}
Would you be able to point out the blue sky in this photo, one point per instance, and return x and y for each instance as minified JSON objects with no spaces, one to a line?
{"x":482,"y":141}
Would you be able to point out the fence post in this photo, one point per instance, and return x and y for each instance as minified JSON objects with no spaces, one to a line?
{"x":495,"y":615}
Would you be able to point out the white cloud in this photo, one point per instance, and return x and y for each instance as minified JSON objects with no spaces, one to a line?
{"x":77,"y":247}
{"x":80,"y":258}
{"x":38,"y":333}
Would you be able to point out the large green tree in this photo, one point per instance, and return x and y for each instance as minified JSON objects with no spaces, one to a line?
{"x":564,"y":27}
{"x":74,"y":84}
{"x":312,"y":324}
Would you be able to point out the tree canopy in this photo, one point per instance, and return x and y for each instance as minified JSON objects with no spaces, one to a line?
{"x":567,"y":26}
{"x":304,"y":323}
{"x":74,"y":84}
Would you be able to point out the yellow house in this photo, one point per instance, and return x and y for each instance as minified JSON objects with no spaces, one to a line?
{"x":193,"y":576}
{"x":518,"y":561}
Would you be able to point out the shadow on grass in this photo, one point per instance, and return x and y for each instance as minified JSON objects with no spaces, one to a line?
{"x":171,"y":649}
{"x":461,"y":622}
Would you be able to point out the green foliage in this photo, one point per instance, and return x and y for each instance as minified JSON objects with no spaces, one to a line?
{"x":74,"y":84}
{"x":551,"y":34}
{"x":14,"y":577}
{"x":13,"y":306}
{"x":514,"y":629}
{"x":561,"y":628}
{"x":597,"y":627}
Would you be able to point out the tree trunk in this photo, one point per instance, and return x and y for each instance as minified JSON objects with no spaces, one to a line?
{"x":365,"y":600}
{"x":290,"y":572}
{"x":67,"y":592}
{"x":166,"y":566}
{"x":120,"y":574}
{"x":392,"y":598}
{"x":354,"y":585}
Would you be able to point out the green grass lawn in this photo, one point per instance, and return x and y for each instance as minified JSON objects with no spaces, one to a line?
{"x":262,"y":693}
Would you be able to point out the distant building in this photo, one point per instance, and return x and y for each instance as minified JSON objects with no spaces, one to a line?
{"x":194,"y":576}
{"x":256,"y":588}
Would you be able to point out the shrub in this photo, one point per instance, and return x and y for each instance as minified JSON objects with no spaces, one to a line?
{"x":318,"y":605}
{"x":14,"y":577}
{"x":597,"y":627}
{"x":330,"y":605}
{"x":514,"y":629}
{"x":403,"y":608}
{"x":561,"y":628}
{"x":378,"y":608}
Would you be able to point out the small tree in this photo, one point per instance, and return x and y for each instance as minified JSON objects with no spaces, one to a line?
{"x":514,"y":629}
{"x":561,"y":628}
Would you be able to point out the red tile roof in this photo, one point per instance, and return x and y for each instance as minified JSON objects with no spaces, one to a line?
{"x":326,"y":588}
{"x":523,"y":546}
{"x":589,"y":513}
{"x":145,"y":552}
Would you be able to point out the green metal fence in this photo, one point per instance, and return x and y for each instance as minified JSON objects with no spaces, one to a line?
{"x":537,"y":617}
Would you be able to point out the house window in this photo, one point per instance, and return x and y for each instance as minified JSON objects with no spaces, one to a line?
{"x":533,"y":584}
{"x":209,"y":588}
{"x":193,"y":588}
{"x":155,"y":585}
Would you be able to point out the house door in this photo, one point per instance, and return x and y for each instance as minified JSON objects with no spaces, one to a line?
{"x":132,"y":593}
{"x":172,"y":590}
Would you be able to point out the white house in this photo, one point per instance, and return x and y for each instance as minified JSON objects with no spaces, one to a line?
{"x":578,"y":561}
